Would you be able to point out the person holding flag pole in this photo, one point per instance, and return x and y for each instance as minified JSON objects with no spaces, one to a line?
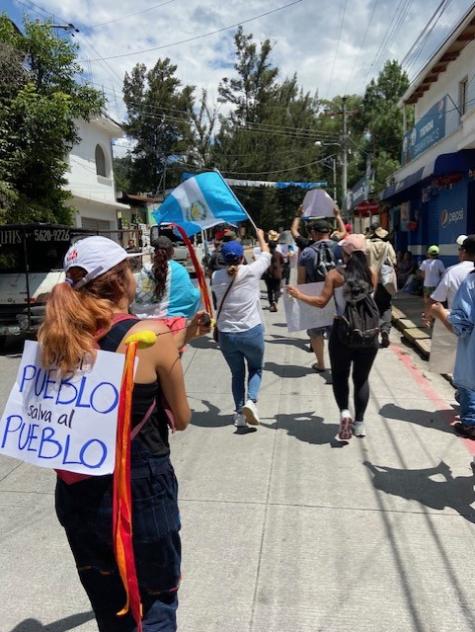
{"x":131,"y":576}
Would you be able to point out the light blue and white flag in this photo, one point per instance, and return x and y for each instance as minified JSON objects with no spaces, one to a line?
{"x":201,"y":202}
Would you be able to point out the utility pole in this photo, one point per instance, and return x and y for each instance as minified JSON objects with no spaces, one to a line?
{"x":334,"y":177}
{"x":344,"y":162}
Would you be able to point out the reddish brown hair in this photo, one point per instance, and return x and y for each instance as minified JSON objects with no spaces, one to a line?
{"x":74,"y":317}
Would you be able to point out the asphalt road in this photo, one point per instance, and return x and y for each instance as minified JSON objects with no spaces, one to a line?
{"x":283,"y":531}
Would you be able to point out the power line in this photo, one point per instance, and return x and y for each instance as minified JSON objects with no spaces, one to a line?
{"x":337,"y":48}
{"x":203,"y":35}
{"x":363,"y":43}
{"x":130,"y":15}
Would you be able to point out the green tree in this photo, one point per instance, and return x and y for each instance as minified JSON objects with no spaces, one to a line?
{"x":159,"y":120}
{"x":270,"y":130}
{"x":40,"y":100}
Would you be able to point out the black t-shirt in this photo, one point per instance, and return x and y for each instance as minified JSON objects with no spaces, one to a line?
{"x":303,"y":242}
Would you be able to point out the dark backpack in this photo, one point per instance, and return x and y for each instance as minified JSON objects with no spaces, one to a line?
{"x":324,"y":260}
{"x":358,"y":327}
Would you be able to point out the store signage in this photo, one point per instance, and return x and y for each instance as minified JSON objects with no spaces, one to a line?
{"x":428,"y":130}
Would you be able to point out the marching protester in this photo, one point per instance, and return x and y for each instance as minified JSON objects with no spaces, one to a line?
{"x":90,"y":310}
{"x":315,"y":262}
{"x":273,"y":275}
{"x":461,"y":321}
{"x":454,"y":275}
{"x":432,"y":270}
{"x":382,"y":261}
{"x":354,"y":335}
{"x":164,"y":288}
{"x":240,"y":325}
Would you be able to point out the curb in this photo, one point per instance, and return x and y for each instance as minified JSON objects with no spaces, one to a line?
{"x":414,"y":335}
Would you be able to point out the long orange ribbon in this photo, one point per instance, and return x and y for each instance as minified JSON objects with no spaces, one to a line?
{"x":122,"y":495}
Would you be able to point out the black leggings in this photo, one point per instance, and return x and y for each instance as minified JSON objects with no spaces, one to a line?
{"x":273,"y":290}
{"x":341,"y":358}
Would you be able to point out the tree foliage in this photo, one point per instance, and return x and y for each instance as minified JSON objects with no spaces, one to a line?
{"x":40,"y":100}
{"x":158,"y":119}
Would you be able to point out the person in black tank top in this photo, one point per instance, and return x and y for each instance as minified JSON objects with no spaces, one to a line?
{"x":89,"y":311}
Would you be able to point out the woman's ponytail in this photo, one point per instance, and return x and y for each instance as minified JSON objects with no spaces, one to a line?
{"x":160,"y":272}
{"x":74,"y":317}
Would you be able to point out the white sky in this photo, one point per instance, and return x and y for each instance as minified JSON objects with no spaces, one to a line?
{"x":335,"y":47}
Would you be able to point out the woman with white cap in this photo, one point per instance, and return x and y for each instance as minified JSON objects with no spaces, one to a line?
{"x":89,"y":311}
{"x":352,"y":287}
{"x":239,"y":323}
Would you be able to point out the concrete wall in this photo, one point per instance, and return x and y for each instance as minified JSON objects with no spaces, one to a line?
{"x":83,"y":179}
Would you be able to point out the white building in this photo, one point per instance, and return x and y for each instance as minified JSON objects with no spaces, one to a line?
{"x":91,"y":177}
{"x":432,"y":196}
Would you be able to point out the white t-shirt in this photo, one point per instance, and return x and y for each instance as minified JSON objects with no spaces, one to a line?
{"x":433,"y":270}
{"x":451,"y":281}
{"x":241,"y":310}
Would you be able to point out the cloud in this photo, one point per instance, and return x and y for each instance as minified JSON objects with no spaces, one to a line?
{"x":332,"y":50}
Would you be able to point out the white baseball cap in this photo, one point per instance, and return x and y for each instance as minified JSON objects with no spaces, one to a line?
{"x":460,"y":239}
{"x":96,"y":255}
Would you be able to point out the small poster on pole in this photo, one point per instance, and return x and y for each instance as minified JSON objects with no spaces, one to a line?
{"x":301,"y":316}
{"x":64,"y":422}
{"x":317,"y":203}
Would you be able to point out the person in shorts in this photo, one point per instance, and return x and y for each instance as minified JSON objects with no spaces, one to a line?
{"x":432,"y":270}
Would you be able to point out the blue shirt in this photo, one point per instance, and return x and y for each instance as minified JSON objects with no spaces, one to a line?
{"x":462,"y":319}
{"x":181,"y":297}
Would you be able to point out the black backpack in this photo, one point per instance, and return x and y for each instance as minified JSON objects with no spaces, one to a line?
{"x":358,"y":327}
{"x":324,"y":260}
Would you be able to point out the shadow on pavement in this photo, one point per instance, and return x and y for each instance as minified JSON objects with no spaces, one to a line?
{"x":204,"y":342}
{"x":288,"y":370}
{"x":284,"y":340}
{"x":305,"y":427}
{"x":455,"y":493}
{"x":63,"y":625}
{"x":210,"y":418}
{"x":439,"y":420}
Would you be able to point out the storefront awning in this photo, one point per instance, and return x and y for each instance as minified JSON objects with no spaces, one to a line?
{"x":456,"y":162}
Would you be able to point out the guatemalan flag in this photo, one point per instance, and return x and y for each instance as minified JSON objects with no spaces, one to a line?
{"x":201,"y":202}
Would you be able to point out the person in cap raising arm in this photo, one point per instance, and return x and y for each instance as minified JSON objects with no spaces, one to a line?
{"x":90,"y":310}
{"x":347,"y":349}
{"x":240,"y":327}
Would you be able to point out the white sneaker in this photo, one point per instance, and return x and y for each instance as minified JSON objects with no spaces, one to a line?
{"x":239,"y":421}
{"x":249,"y":410}
{"x":359,"y":429}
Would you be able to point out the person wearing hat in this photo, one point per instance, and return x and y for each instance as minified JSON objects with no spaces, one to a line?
{"x":164,"y":287}
{"x":314,"y":264}
{"x":273,"y":235}
{"x":454,"y":275}
{"x":340,"y":284}
{"x":380,"y":253}
{"x":240,"y":326}
{"x":432,"y":270}
{"x":90,"y":310}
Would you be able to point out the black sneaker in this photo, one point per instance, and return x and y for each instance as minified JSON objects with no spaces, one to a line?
{"x":385,"y":342}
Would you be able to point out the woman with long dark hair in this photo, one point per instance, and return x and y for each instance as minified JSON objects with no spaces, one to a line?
{"x":353,"y":283}
{"x":164,"y":287}
{"x":90,"y":310}
{"x":240,"y":327}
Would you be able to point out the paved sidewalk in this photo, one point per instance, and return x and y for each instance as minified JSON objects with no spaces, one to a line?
{"x":283,"y":531}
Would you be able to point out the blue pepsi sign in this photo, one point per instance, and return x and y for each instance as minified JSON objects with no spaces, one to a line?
{"x":428,"y":130}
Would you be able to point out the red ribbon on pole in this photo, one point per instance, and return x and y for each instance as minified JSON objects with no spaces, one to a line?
{"x":198,"y":269}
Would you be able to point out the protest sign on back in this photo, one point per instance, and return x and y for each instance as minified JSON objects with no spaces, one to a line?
{"x":68,"y":422}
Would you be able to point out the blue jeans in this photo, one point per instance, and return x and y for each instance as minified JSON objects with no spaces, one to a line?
{"x":84,"y":510}
{"x":467,"y":405}
{"x":239,"y":348}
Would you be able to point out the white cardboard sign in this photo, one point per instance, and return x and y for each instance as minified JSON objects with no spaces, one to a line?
{"x":301,"y":316}
{"x":67,"y":423}
{"x":443,"y":349}
{"x":317,"y":203}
